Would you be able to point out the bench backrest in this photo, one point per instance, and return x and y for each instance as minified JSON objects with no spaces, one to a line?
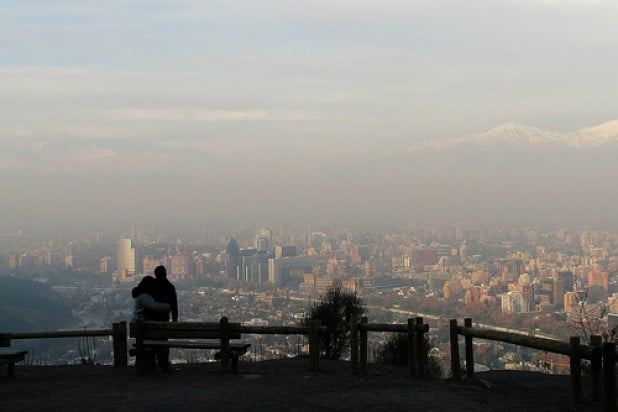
{"x":182,"y":330}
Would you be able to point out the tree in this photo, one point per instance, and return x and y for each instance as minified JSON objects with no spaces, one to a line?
{"x":335,"y":311}
{"x":589,"y":319}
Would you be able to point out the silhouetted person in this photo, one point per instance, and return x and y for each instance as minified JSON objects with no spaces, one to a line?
{"x":147,"y":308}
{"x":165,"y":292}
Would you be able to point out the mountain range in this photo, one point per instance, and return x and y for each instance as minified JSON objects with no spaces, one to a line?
{"x":517,"y":135}
{"x":513,"y":173}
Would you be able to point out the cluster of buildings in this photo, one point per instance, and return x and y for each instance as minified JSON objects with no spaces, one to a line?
{"x":501,"y":269}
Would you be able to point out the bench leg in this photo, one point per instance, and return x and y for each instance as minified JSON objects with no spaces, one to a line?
{"x":234,"y":363}
{"x":139,"y":364}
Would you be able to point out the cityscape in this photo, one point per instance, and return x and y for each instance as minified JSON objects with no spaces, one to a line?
{"x":451,"y":161}
{"x":555,"y":283}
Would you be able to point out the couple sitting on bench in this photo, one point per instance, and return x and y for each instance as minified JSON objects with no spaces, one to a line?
{"x":155,"y":299}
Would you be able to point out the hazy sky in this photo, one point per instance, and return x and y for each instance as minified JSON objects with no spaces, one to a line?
{"x":263,"y":89}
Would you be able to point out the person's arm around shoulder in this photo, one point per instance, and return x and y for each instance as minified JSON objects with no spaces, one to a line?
{"x":148,"y":302}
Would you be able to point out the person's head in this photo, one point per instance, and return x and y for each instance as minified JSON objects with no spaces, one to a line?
{"x":160,"y":272}
{"x":147,"y":285}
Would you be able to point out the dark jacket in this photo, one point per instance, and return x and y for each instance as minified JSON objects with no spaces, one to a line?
{"x":165,"y":292}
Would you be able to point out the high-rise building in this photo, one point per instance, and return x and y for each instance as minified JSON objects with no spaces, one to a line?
{"x":285,"y":251}
{"x":514,"y":302}
{"x":599,"y":278}
{"x":126,"y":257}
{"x":570,"y":300}
{"x":264,"y":240}
{"x":559,"y":293}
{"x":232,"y":259}
{"x":149,"y":263}
{"x":283,"y":271}
{"x":104,"y":264}
{"x":262,"y":243}
{"x":567,"y":279}
{"x":255,"y":268}
{"x":179,"y":266}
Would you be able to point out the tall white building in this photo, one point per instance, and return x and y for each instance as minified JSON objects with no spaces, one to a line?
{"x":514,"y":302}
{"x":264,"y":240}
{"x":126,"y":257}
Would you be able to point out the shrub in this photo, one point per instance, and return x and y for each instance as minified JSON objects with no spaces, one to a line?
{"x":335,"y":310}
{"x":395,"y":352}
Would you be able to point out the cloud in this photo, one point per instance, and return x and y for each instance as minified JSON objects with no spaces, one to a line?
{"x":217,"y":115}
{"x":341,"y":71}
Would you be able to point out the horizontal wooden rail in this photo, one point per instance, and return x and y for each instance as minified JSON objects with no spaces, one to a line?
{"x":544,"y":344}
{"x":118,"y":332}
{"x":74,"y":333}
{"x":278,"y":330}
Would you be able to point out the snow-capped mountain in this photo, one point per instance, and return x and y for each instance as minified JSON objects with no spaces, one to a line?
{"x":513,"y":134}
{"x":606,"y":133}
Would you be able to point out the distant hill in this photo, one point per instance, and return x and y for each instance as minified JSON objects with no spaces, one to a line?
{"x":27,"y":306}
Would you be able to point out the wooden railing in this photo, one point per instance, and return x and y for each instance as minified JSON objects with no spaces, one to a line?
{"x":118,"y":332}
{"x":312,"y":332}
{"x":602,"y":357}
{"x":415,"y":331}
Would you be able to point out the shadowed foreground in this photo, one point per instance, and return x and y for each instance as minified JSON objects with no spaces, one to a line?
{"x":277,"y":385}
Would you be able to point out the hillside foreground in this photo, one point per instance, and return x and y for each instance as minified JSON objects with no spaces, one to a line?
{"x":279,"y":385}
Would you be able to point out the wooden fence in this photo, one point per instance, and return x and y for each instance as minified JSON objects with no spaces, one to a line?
{"x":118,"y":332}
{"x":415,"y":330}
{"x":312,"y":331}
{"x":602,"y":357}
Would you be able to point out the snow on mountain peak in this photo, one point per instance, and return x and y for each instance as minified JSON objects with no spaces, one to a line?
{"x":596,"y":135}
{"x":512,"y":134}
{"x":516,"y":134}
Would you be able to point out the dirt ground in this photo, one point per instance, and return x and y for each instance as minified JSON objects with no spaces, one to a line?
{"x":280,"y":385}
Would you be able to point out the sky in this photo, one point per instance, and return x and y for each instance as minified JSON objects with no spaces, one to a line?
{"x":146,"y":99}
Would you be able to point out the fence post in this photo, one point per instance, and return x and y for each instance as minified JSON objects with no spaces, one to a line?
{"x":469,"y":350}
{"x":363,"y":346}
{"x":455,"y":365}
{"x":354,"y":344}
{"x":420,"y":347}
{"x":576,"y":369}
{"x":119,"y":340}
{"x":139,"y":347}
{"x":411,"y":348}
{"x":609,"y":376}
{"x":314,"y":346}
{"x":225,"y":344}
{"x":5,"y":340}
{"x":596,"y":366}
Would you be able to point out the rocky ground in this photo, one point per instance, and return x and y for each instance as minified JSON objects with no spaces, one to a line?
{"x":280,"y":385}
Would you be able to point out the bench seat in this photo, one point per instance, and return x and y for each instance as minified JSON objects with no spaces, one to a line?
{"x":189,"y":335}
{"x":9,"y":357}
{"x":237,"y":347}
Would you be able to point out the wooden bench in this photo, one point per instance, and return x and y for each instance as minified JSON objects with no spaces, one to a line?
{"x":9,"y":357}
{"x":189,"y":335}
